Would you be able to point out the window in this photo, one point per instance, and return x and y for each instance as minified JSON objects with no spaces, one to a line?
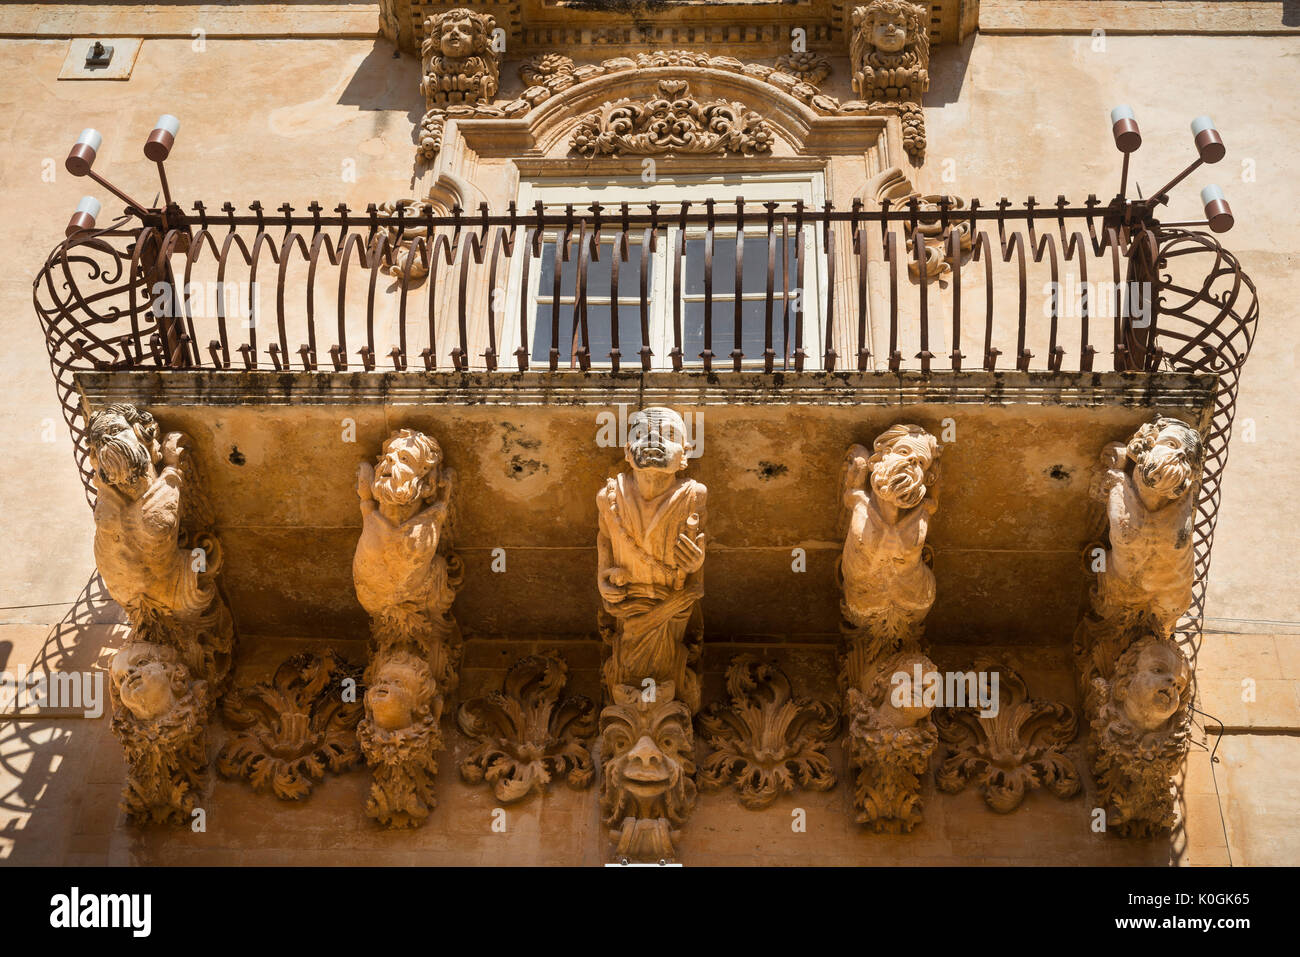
{"x":551,"y":284}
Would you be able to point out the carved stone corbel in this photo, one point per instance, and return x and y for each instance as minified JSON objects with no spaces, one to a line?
{"x":650,"y":555}
{"x":647,"y":770}
{"x":293,"y":729}
{"x":528,"y":734}
{"x":1019,"y":747}
{"x":764,"y":741}
{"x":1135,"y":678}
{"x":888,"y":496}
{"x":406,"y":578}
{"x":159,"y":559}
{"x":461,"y":66}
{"x":889,"y":52}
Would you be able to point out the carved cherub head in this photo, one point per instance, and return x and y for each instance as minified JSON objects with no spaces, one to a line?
{"x":124,"y":447}
{"x":891,"y":26}
{"x":400,"y":692}
{"x":902,"y":464}
{"x":408,"y":469}
{"x":657,"y":440}
{"x":648,"y":755}
{"x":149,"y":679}
{"x":461,"y":33}
{"x":1167,"y":457}
{"x":1151,"y":684}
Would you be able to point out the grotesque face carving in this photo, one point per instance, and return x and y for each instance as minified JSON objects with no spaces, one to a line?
{"x":657,"y":440}
{"x":149,"y":679}
{"x":1151,"y":679}
{"x":649,"y":756}
{"x":891,"y":26}
{"x":123,"y":445}
{"x":894,"y":693}
{"x":1167,"y":456}
{"x":408,"y":468}
{"x":901,"y":465}
{"x":400,"y":692}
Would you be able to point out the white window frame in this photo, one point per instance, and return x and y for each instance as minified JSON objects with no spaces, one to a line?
{"x":670,"y":191}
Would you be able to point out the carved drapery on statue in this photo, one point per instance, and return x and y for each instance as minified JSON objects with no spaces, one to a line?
{"x":888,"y":496}
{"x":889,"y":53}
{"x":650,"y":553}
{"x":159,"y":560}
{"x":406,"y":578}
{"x":1135,"y":679}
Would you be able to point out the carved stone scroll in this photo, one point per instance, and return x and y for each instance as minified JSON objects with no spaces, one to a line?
{"x":764,"y":741}
{"x":887,"y":497}
{"x":673,"y":122}
{"x":406,"y":578}
{"x":461,"y":66}
{"x":293,"y":729}
{"x":1011,"y":752}
{"x":159,"y":559}
{"x":650,"y":555}
{"x":889,"y":52}
{"x":528,"y":734}
{"x":1135,"y":678}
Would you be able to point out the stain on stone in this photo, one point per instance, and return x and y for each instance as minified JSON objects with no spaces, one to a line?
{"x":522,"y":468}
{"x":236,"y":456}
{"x":767,"y":471}
{"x":1059,"y":472}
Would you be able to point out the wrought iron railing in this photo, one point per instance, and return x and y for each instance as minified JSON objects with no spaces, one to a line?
{"x":122,"y":298}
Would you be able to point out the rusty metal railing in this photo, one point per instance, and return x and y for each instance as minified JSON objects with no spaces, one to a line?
{"x":121,"y":298}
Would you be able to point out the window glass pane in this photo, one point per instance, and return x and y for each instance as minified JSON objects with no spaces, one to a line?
{"x":598,"y":332}
{"x":753,"y":330}
{"x":724,"y":265}
{"x":541,"y":344}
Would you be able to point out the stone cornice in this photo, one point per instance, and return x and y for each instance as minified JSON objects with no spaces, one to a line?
{"x":1193,"y":393}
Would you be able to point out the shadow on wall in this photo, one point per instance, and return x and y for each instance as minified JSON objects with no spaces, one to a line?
{"x":47,"y":765}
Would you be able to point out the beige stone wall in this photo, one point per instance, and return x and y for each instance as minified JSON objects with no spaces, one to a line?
{"x":276,"y":120}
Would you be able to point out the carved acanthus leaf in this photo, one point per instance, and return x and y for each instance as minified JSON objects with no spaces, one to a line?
{"x":527,"y":733}
{"x":294,"y":728}
{"x":674,"y":122}
{"x":1008,"y":753}
{"x":765,"y":742}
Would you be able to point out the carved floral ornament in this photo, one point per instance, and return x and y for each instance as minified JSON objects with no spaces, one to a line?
{"x":673,"y":122}
{"x":550,"y":74}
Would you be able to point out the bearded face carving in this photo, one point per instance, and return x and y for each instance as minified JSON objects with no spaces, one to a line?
{"x":647,"y":786}
{"x":888,"y":588}
{"x":1149,"y":489}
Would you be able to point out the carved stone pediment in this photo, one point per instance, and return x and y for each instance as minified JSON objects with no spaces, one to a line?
{"x":673,"y":122}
